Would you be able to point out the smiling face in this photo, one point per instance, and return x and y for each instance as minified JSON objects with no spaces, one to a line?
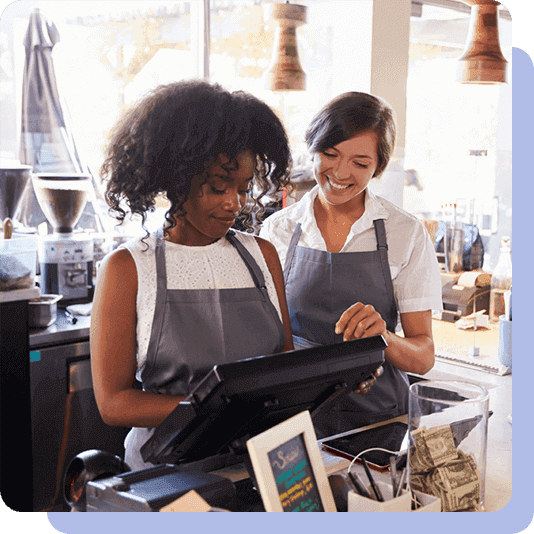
{"x":215,"y":200}
{"x":344,"y":171}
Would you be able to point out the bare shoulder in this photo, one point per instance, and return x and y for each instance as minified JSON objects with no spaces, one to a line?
{"x":267,"y":248}
{"x":120,"y":258}
{"x":118,"y":270}
{"x":114,"y":302}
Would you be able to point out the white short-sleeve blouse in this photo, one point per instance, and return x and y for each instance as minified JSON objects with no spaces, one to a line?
{"x":412,"y":257}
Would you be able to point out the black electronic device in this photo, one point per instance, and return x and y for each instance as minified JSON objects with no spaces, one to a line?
{"x":393,"y":437}
{"x":85,"y":467}
{"x":149,"y":490}
{"x":236,"y":401}
{"x":390,"y":436}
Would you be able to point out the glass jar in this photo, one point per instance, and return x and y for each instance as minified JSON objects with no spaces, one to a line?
{"x":447,"y":427}
{"x":501,"y":281}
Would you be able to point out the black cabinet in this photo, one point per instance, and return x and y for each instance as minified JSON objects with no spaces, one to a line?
{"x":48,"y":411}
{"x":15,"y":407}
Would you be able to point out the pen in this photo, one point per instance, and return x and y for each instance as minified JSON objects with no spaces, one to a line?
{"x":372,"y":481}
{"x":401,"y":483}
{"x":70,"y":317}
{"x":360,"y":488}
{"x":393,"y":473}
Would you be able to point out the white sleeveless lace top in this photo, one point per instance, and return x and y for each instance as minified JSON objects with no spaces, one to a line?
{"x":216,"y":266}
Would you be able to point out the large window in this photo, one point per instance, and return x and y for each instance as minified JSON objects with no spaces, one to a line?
{"x":108,"y":55}
{"x":458,"y":136}
{"x":242,"y":43}
{"x":112,"y":52}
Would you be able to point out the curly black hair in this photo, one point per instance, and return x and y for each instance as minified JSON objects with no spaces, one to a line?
{"x":175,"y":132}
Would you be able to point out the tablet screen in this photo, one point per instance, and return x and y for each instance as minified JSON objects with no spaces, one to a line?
{"x":392,"y":436}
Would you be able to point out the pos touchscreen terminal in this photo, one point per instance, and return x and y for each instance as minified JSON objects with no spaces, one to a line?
{"x":236,"y":401}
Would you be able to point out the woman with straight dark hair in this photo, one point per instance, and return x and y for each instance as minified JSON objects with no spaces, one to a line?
{"x":355,"y":264}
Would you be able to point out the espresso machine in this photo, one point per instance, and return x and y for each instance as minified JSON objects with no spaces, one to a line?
{"x":66,"y":256}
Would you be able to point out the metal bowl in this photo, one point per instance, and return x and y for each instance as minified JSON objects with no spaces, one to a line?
{"x":43,"y":311}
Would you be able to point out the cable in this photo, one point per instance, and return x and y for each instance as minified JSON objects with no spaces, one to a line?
{"x":396,"y":453}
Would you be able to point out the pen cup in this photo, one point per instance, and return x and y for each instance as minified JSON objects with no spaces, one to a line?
{"x":505,"y":341}
{"x":447,"y":426}
{"x":402,"y":503}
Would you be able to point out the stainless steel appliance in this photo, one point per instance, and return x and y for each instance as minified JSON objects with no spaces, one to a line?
{"x":65,"y":257}
{"x":64,"y":416}
{"x":48,"y":409}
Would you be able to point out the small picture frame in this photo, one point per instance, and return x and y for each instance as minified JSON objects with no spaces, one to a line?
{"x":289,"y":469}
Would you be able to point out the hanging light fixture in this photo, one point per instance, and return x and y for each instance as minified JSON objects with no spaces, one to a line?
{"x":284,"y":72}
{"x":482,"y":61}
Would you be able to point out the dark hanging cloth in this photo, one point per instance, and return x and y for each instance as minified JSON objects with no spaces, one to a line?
{"x":46,"y":142}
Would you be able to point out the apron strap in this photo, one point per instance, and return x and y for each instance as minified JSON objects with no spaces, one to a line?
{"x":259,"y":280}
{"x":380,"y":231}
{"x":291,"y":250}
{"x":382,"y":247}
{"x":161,"y":288}
{"x":161,"y":267}
{"x":250,"y":262}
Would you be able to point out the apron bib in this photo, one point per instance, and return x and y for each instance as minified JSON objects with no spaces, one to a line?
{"x":195,"y":329}
{"x":320,"y":286}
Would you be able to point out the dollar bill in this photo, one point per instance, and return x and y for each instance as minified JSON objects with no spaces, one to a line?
{"x":440,"y":445}
{"x":438,"y":468}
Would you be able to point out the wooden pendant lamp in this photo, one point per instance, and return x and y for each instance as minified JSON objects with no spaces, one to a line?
{"x":284,"y":72}
{"x":482,"y":61}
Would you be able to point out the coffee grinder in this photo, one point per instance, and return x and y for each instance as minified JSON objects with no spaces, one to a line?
{"x":65,"y":257}
{"x":13,"y":182}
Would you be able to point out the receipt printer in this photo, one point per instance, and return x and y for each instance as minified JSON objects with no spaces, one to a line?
{"x":149,"y":490}
{"x":464,"y":294}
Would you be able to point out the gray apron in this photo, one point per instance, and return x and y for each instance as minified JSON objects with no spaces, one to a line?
{"x":195,"y":329}
{"x":320,"y":286}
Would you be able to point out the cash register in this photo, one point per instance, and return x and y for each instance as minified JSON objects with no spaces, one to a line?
{"x":464,"y":293}
{"x":210,"y":429}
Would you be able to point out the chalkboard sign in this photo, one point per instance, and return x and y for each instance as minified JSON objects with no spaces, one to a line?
{"x":295,"y":481}
{"x":289,"y":469}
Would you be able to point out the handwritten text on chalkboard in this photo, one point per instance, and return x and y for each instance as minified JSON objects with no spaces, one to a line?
{"x":295,"y":482}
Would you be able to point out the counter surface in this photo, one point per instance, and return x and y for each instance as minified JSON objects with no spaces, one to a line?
{"x":450,"y":339}
{"x":447,"y":339}
{"x":61,"y":331}
{"x":498,"y":489}
{"x":499,"y":455}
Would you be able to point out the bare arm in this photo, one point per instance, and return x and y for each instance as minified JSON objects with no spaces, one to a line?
{"x":414,"y":352}
{"x":273,"y":263}
{"x":114,"y":347}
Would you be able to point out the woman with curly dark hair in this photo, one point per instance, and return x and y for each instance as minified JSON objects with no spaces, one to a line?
{"x":171,"y":304}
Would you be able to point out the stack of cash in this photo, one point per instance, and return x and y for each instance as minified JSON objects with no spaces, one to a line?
{"x":438,"y":468}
